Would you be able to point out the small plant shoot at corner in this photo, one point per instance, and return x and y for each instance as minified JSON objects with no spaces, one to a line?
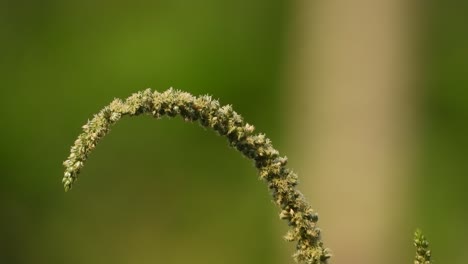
{"x":271,"y":167}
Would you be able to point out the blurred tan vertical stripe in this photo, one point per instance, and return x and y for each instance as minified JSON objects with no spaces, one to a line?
{"x":348,"y":79}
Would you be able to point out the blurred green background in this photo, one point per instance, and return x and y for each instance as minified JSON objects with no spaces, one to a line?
{"x":443,"y":170}
{"x":167,"y":191}
{"x":154,"y":190}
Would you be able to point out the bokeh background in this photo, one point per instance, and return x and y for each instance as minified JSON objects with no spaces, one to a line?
{"x":368,"y":100}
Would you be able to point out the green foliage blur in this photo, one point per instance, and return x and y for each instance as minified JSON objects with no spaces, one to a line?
{"x":154,"y":191}
{"x":442,"y":196}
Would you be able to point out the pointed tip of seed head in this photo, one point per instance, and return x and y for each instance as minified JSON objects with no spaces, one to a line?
{"x":67,"y":186}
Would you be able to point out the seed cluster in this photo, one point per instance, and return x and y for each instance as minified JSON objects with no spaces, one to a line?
{"x":423,"y":254}
{"x":271,"y":166}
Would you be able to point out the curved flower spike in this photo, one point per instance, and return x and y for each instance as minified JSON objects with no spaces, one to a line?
{"x":271,"y":166}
